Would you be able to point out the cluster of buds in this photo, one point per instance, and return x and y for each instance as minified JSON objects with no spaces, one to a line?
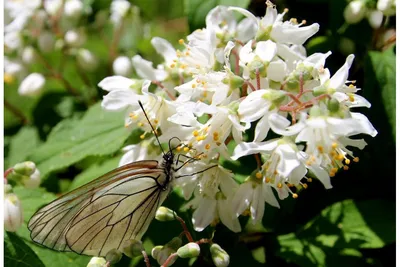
{"x":356,"y":10}
{"x":28,"y":175}
{"x":238,"y":77}
{"x":167,"y":254}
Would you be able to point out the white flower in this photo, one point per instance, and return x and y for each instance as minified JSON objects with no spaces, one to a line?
{"x":260,"y":104}
{"x":212,"y":199}
{"x":32,"y":85}
{"x":122,"y":66}
{"x":223,"y":22}
{"x":253,"y":194}
{"x":355,"y":11}
{"x":13,"y":218}
{"x":29,"y":55}
{"x":145,"y":70}
{"x":375,"y":18}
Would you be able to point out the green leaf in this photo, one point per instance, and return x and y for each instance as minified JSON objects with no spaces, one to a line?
{"x":197,"y":10}
{"x":384,"y":65}
{"x":22,"y":145}
{"x":17,"y":253}
{"x":98,"y":133}
{"x":31,"y":201}
{"x":345,"y":226}
{"x":94,"y":171}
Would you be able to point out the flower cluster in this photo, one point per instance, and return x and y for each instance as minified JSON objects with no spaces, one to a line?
{"x":228,"y":81}
{"x":37,"y":31}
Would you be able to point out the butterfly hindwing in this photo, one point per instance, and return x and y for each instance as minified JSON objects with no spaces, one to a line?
{"x":113,"y":198}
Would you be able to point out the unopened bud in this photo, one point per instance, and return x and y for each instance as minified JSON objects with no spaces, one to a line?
{"x":13,"y":218}
{"x":87,"y":60}
{"x":219,"y":256}
{"x":132,"y":248}
{"x":354,"y":11}
{"x":164,"y":214}
{"x":75,"y":38}
{"x":32,"y":181}
{"x":113,"y":256}
{"x":333,"y":105}
{"x":97,"y":262}
{"x":25,"y":168}
{"x":46,"y":42}
{"x":122,"y":66}
{"x":162,"y":253}
{"x":73,"y":9}
{"x":388,"y":7}
{"x":189,"y":250}
{"x":29,"y":55}
{"x":32,"y":85}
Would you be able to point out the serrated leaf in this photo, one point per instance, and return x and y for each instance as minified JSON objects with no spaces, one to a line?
{"x":31,"y":201}
{"x":22,"y":145}
{"x":98,"y":133}
{"x":17,"y":253}
{"x":197,"y":10}
{"x":384,"y":65}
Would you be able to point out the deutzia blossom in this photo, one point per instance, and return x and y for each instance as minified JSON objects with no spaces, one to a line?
{"x":13,"y":218}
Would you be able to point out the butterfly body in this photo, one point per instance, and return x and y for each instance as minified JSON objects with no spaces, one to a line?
{"x":102,"y":214}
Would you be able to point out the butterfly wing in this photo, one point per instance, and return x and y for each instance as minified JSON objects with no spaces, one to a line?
{"x":103,"y":213}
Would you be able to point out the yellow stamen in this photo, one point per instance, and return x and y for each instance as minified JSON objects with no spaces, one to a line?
{"x":195,"y":133}
{"x":258,"y":175}
{"x":142,"y":136}
{"x":295,"y":195}
{"x":140,"y":124}
{"x":334,"y":145}
{"x":267,"y":180}
{"x":345,"y":167}
{"x":356,"y":159}
{"x":208,"y":146}
{"x":347,"y":161}
{"x":172,"y":66}
{"x":279,"y":185}
{"x":8,"y":78}
{"x":186,"y":149}
{"x":181,"y":41}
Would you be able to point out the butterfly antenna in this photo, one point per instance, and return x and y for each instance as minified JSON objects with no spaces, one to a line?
{"x":154,"y":131}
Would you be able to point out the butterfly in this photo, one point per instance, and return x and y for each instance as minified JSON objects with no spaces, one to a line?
{"x":101,"y":215}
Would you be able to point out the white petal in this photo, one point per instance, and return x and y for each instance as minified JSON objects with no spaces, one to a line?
{"x":164,"y":48}
{"x":266,"y":50}
{"x":288,"y":160}
{"x":280,"y":125}
{"x":342,"y":74}
{"x":262,"y":129}
{"x":244,"y":149}
{"x":227,"y":51}
{"x":269,"y":196}
{"x":242,"y":197}
{"x":145,"y":70}
{"x":226,"y":215}
{"x":257,"y":205}
{"x":276,"y":71}
{"x":119,"y":100}
{"x":115,"y":83}
{"x":246,"y":30}
{"x":204,"y":214}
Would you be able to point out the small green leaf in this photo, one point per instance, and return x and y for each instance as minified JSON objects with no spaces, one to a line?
{"x":98,"y":133}
{"x":22,"y":145}
{"x":17,"y":253}
{"x":197,"y":10}
{"x":384,"y":65}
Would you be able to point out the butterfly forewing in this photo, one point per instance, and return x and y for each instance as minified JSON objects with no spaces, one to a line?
{"x":102,"y":214}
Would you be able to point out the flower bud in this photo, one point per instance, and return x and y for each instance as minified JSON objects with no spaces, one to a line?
{"x":32,"y":181}
{"x":122,"y":66}
{"x":29,"y":55}
{"x":73,"y":9}
{"x":113,"y":256}
{"x":97,"y":262}
{"x":25,"y":168}
{"x":333,"y":105}
{"x":164,"y":214}
{"x":46,"y":42}
{"x":388,"y":7}
{"x":32,"y":85}
{"x":161,"y":253}
{"x":87,"y":60}
{"x":354,"y":12}
{"x":132,"y":248}
{"x":13,"y":218}
{"x":219,"y":256}
{"x":75,"y":38}
{"x":189,"y":250}
{"x":375,"y":19}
